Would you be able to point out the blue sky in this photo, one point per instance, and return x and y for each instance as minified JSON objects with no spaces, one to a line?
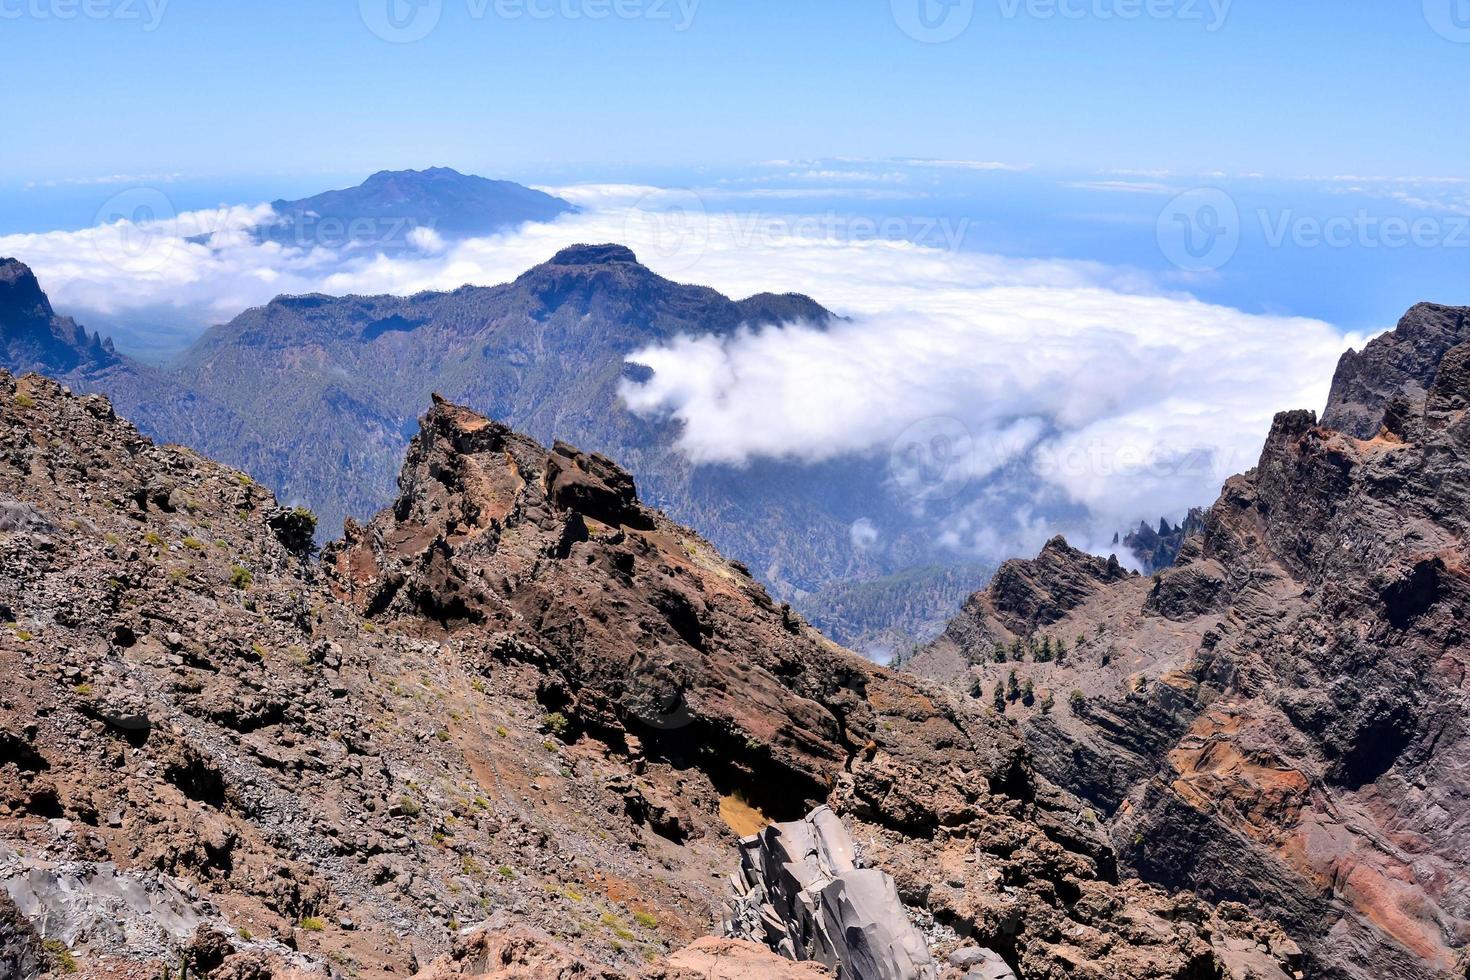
{"x":222,"y":88}
{"x":1108,"y":238}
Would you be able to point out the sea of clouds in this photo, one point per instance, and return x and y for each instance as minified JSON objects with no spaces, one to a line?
{"x":987,"y":383}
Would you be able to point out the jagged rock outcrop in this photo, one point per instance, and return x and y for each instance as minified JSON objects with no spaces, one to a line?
{"x":1024,"y":598}
{"x":1401,"y":362}
{"x":486,"y":699}
{"x":801,"y":891}
{"x":1281,"y":717}
{"x":34,"y":336}
{"x":1157,"y":548}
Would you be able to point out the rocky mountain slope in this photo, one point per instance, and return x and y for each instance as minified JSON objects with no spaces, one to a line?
{"x":1280,"y":718}
{"x":316,"y":396}
{"x":384,"y":211}
{"x":517,"y":698}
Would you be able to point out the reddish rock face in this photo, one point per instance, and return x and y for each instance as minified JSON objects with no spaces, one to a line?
{"x":517,"y":690}
{"x":1281,"y":717}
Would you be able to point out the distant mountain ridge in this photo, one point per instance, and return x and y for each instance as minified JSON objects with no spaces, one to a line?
{"x":387,"y":209}
{"x":314,"y":396}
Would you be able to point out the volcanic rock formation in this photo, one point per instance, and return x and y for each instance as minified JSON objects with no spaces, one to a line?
{"x":518,"y":697}
{"x":1280,"y":718}
{"x":801,"y":891}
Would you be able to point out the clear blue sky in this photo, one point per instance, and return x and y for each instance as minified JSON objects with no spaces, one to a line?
{"x":296,"y":86}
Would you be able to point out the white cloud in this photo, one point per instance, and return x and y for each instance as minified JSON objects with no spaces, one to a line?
{"x":1124,"y":186}
{"x":1008,"y":398}
{"x":864,"y":534}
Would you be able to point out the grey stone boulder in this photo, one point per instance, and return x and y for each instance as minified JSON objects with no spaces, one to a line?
{"x":801,"y":891}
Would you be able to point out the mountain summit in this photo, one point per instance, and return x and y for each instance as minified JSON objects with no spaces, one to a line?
{"x":385,"y":210}
{"x":314,"y":394}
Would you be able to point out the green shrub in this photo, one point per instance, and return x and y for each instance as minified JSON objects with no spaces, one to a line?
{"x":59,"y":956}
{"x":26,"y":401}
{"x":241,"y":577}
{"x":557,"y":724}
{"x":615,"y":925}
{"x":645,"y":919}
{"x":311,"y":924}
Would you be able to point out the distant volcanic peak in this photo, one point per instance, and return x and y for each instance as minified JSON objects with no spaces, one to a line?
{"x":382,"y":175}
{"x":20,"y":292}
{"x":595,"y":255}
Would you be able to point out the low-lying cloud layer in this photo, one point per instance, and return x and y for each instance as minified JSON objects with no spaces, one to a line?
{"x":998,"y":393}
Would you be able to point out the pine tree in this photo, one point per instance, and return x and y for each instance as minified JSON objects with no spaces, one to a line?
{"x":1013,"y":687}
{"x":1000,"y":696}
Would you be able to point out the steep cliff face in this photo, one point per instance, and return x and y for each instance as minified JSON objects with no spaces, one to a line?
{"x":1281,"y":717}
{"x":1402,"y":361}
{"x":518,"y":696}
{"x":33,"y":334}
